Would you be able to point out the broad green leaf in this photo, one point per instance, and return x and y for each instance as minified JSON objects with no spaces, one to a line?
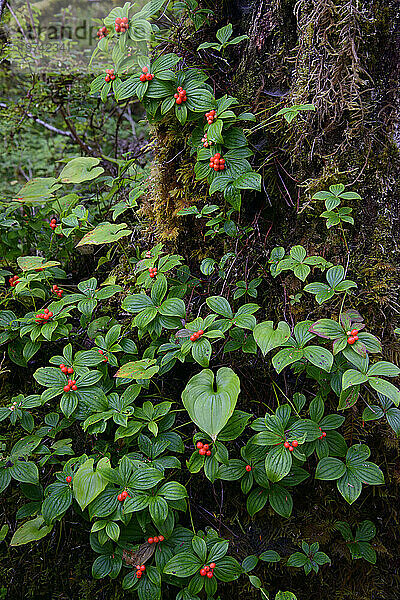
{"x":31,"y":531}
{"x":87,"y":483}
{"x":267,"y":338}
{"x":105,"y":233}
{"x":278,"y":463}
{"x":210,"y":402}
{"x":81,"y":169}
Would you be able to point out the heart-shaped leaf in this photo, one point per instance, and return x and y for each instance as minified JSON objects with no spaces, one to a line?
{"x":210,"y":403}
{"x":81,"y":169}
{"x":267,"y":338}
{"x":105,"y":233}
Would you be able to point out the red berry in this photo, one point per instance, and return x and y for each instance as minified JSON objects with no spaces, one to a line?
{"x":161,"y":538}
{"x":199,"y":445}
{"x":139,"y":574}
{"x":202,"y":451}
{"x":206,"y":568}
{"x":203,"y":572}
{"x":68,"y":479}
{"x":295,"y":443}
{"x":74,"y":387}
{"x":62,"y":366}
{"x":356,"y":337}
{"x":206,"y":447}
{"x":210,"y":574}
{"x":351,"y":340}
{"x":354,"y":332}
{"x":180,"y":89}
{"x":118,"y":21}
{"x":124,"y":495}
{"x":142,"y":77}
{"x":149,"y":77}
{"x":208,"y":453}
{"x":125,"y":20}
{"x":179,"y":101}
{"x":66,"y":388}
{"x":143,"y":568}
{"x":323,"y":434}
{"x":150,"y":540}
{"x":291,"y":448}
{"x":70,"y":370}
{"x":286,"y":444}
{"x":145,"y":70}
{"x":248,"y":468}
{"x":155,"y":539}
{"x":101,"y":352}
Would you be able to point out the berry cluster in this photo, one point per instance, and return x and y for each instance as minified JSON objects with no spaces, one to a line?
{"x":208,"y":570}
{"x":71,"y":385}
{"x":180,"y":96}
{"x":140,"y":570}
{"x":44,"y":316}
{"x":121,"y":25}
{"x":146,"y":76}
{"x":323,"y":434}
{"x":53,"y":223}
{"x":205,"y":141}
{"x":66,"y":370}
{"x":204,"y":449}
{"x":248,"y":468}
{"x":291,"y":445}
{"x":210,"y":116}
{"x":105,"y":359}
{"x":110,"y":75}
{"x":57,"y":290}
{"x":153,"y":271}
{"x":217,"y":163}
{"x":156,"y":539}
{"x":102,"y":32}
{"x":68,"y":479}
{"x":13,"y":281}
{"x":122,"y":496}
{"x":353,"y":336}
{"x":195,"y":336}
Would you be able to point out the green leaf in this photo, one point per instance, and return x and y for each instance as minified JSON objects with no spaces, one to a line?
{"x":183,"y":565}
{"x":248,"y":181}
{"x":225,"y":33}
{"x":220,"y":305}
{"x":81,"y":169}
{"x":385,"y":388}
{"x":349,"y":486}
{"x":270,"y":556}
{"x":201,"y":351}
{"x":31,"y":531}
{"x":26,"y":472}
{"x":330,"y":469}
{"x":298,"y":559}
{"x":286,"y":357}
{"x":267,"y":338}
{"x":87,"y":483}
{"x":211,"y":403}
{"x":105,"y":233}
{"x":351,"y":377}
{"x":139,"y":369}
{"x":278,"y":463}
{"x":56,"y":503}
{"x":320,"y":357}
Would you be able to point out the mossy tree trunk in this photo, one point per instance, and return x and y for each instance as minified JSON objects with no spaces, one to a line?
{"x":341,"y":56}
